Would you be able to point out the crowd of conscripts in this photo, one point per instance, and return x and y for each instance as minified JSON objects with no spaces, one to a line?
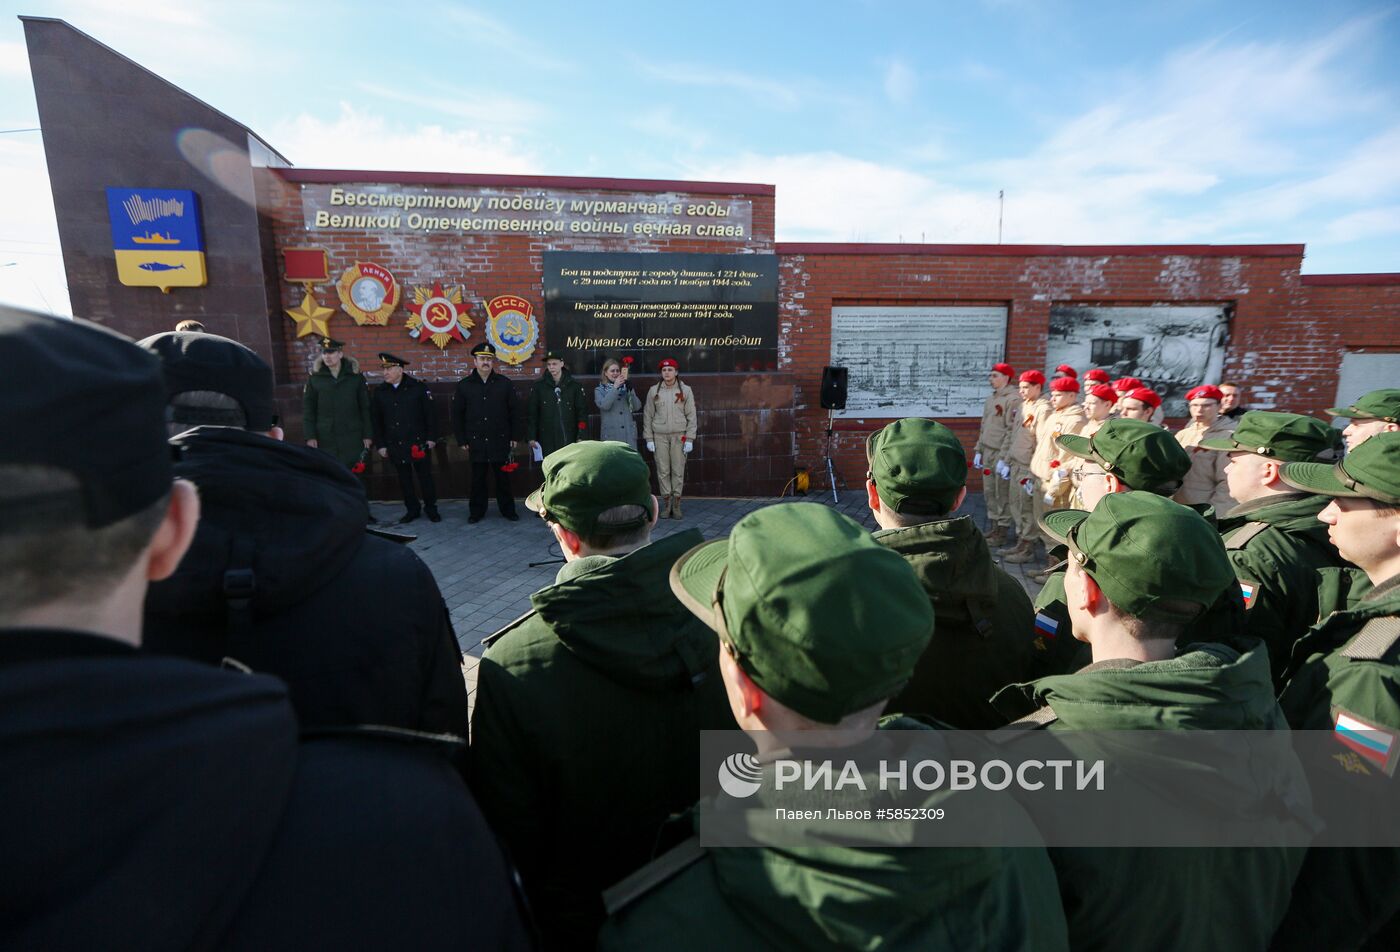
{"x":234,"y":716}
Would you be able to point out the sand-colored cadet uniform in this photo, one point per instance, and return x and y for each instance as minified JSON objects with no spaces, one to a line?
{"x":1049,"y":458}
{"x":1205,"y":481}
{"x":668,"y":420}
{"x":1021,"y":450}
{"x":999,"y":419}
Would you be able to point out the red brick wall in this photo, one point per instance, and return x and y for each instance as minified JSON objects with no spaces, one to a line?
{"x":1287,"y":334}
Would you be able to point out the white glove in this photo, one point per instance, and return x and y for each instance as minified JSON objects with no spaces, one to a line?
{"x":1003,"y":469}
{"x":651,"y":447}
{"x":977,"y":461}
{"x":1049,"y":499}
{"x":687,"y":446}
{"x":1060,"y":475}
{"x":1029,"y":487}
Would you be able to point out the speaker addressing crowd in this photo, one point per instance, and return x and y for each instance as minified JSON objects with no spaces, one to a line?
{"x":286,"y":771}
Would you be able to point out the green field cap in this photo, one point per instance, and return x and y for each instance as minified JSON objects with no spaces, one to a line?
{"x":584,"y":479}
{"x":1376,"y":405}
{"x":1141,"y":454}
{"x":918,"y":466}
{"x":823,"y":618}
{"x":1144,"y":550}
{"x":1372,"y":470}
{"x":1283,"y":436}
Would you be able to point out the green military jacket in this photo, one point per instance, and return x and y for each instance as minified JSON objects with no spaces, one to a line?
{"x":1199,"y":898}
{"x":1346,"y":670}
{"x":1276,"y":546}
{"x":335,"y":410}
{"x":585,"y":734}
{"x":762,"y":899}
{"x":982,"y":625}
{"x":556,"y":421}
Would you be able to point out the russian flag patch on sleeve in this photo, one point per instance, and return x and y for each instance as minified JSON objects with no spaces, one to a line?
{"x":1248,"y":590}
{"x":1379,"y":745}
{"x":1045,"y":625}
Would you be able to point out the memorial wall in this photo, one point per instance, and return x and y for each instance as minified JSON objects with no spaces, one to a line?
{"x":424,"y":265}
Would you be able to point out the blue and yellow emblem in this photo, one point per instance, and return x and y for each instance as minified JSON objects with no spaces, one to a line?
{"x":157,"y":238}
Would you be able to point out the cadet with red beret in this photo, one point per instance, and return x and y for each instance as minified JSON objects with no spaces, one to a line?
{"x":1097,"y":375}
{"x":1016,"y":465}
{"x":668,"y":427}
{"x":1141,"y":403}
{"x":1052,"y":485}
{"x":1205,"y":482}
{"x":999,"y":416}
{"x":1065,"y":370}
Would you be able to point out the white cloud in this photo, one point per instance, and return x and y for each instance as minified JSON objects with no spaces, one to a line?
{"x":474,"y":105}
{"x":767,"y":91}
{"x":14,"y":59}
{"x":31,"y":263}
{"x":900,"y":81}
{"x":360,"y":139}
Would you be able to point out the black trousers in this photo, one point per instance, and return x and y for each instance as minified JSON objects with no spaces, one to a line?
{"x":424,"y":469}
{"x":504,"y":500}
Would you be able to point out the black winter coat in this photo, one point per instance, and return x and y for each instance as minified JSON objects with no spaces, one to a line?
{"x":157,"y":804}
{"x":402,"y":417}
{"x":485,"y":416}
{"x":353,"y":623}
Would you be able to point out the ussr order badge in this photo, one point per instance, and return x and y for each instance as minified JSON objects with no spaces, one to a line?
{"x":157,"y":238}
{"x":308,"y":267}
{"x":511,"y":327}
{"x":438,"y":316}
{"x":368,"y":292}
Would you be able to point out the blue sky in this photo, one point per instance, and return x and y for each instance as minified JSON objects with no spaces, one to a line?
{"x":1192,"y":121}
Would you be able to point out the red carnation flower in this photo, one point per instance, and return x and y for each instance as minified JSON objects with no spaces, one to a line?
{"x":1054,"y":463}
{"x":627,"y":361}
{"x":510,"y":467}
{"x":986,"y":472}
{"x":358,"y":468}
{"x":583,"y":424}
{"x":416,"y":452}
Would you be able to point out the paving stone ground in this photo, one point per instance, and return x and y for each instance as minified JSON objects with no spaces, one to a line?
{"x":485,"y":573}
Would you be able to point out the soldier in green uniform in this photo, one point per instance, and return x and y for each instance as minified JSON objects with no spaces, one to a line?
{"x":1273,"y":538}
{"x":1142,"y":569}
{"x":1122,"y":455}
{"x":1376,"y":412}
{"x":819,"y":626}
{"x":1344,"y":678}
{"x":982,"y":637}
{"x":557,"y":410}
{"x":585,"y":735}
{"x":335,"y":405}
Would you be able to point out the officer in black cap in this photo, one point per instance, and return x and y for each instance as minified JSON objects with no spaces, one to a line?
{"x":401,"y":409}
{"x":485,"y":420}
{"x":102,"y":743}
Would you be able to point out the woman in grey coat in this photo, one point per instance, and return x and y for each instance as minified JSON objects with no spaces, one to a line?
{"x":617,"y":402}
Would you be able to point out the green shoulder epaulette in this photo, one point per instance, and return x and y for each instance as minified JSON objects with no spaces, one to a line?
{"x":1240,"y":538}
{"x":653,"y":874}
{"x":1040,"y":717}
{"x":496,"y":635}
{"x":1375,"y":639}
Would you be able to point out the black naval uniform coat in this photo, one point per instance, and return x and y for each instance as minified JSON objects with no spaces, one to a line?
{"x":485,"y":416}
{"x":402,"y":417}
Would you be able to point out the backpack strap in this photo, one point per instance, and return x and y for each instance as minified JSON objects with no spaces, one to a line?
{"x":1375,"y":639}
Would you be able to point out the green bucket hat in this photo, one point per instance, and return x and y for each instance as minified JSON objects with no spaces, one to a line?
{"x":1376,"y":405}
{"x":918,"y":466}
{"x":1284,"y":436}
{"x":585,"y":479}
{"x":1143,"y":549}
{"x":1141,"y":454}
{"x":823,"y":618}
{"x":1372,"y":470}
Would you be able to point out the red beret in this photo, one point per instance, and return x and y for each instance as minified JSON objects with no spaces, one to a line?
{"x":1067,"y":370}
{"x":1124,"y":384}
{"x":1003,"y":369}
{"x":1033,"y":376}
{"x":668,"y":362}
{"x":1146,"y":395}
{"x":1097,"y":375}
{"x":1065,"y":385}
{"x":1104,"y":392}
{"x":1205,"y":392}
